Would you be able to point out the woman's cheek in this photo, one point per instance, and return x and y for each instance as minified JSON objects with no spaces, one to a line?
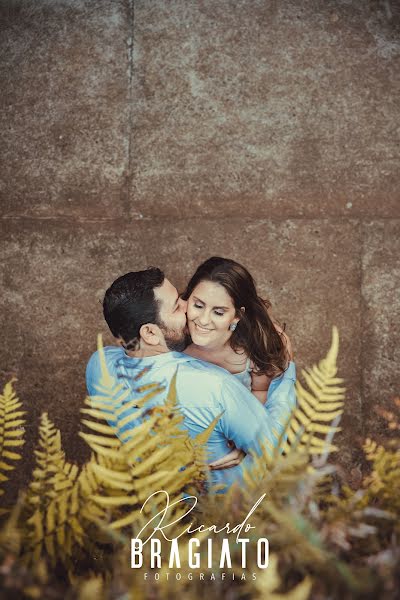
{"x":226,"y":323}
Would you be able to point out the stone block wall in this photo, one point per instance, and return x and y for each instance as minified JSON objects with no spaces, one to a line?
{"x":140,"y":132}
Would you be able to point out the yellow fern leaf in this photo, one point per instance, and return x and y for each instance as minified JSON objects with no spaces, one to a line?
{"x":320,"y":404}
{"x":11,"y":429}
{"x":111,"y":501}
{"x":156,"y":459}
{"x":99,"y":427}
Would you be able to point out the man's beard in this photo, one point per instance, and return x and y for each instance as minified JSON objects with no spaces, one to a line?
{"x":175,"y":340}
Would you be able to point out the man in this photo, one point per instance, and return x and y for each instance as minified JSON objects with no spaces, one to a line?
{"x":145,"y":313}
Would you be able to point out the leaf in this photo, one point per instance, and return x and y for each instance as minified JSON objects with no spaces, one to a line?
{"x":203,"y":437}
{"x":316,"y":407}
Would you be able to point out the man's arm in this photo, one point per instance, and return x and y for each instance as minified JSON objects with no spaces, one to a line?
{"x":245,"y":421}
{"x":93,"y":375}
{"x":282,"y":398}
{"x":247,"y":424}
{"x":102,"y":384}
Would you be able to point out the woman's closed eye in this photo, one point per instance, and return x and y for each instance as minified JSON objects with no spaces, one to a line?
{"x":219,"y":313}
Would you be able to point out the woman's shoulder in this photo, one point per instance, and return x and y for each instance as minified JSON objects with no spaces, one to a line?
{"x":238,"y":360}
{"x":229,"y":359}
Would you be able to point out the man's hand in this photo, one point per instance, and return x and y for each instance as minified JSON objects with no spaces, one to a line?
{"x":232,"y":459}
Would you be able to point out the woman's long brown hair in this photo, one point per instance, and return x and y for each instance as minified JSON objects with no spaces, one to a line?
{"x":255,"y":333}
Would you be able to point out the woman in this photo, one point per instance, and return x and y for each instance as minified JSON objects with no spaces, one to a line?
{"x":230,"y":326}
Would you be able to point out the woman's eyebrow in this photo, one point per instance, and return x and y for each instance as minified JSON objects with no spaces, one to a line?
{"x":200,"y":300}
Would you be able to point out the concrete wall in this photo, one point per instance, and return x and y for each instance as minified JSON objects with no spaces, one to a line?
{"x":148,"y":132}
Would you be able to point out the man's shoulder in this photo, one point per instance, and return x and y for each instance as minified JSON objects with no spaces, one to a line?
{"x":111,"y":353}
{"x":205,"y":383}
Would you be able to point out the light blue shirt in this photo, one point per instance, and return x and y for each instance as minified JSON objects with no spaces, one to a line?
{"x":204,"y":391}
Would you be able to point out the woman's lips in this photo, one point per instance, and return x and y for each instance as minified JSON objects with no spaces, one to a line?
{"x":200,"y":329}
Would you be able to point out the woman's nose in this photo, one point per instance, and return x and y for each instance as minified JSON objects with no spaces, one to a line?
{"x":203,"y":318}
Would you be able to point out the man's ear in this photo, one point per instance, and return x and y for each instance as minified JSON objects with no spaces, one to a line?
{"x":150,"y":334}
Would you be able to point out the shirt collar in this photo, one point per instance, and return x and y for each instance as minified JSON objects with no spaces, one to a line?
{"x":160,"y":359}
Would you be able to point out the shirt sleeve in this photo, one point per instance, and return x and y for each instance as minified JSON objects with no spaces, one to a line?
{"x":247,"y":422}
{"x":93,"y":375}
{"x":95,"y":386}
{"x":95,"y":381}
{"x":281,"y":399}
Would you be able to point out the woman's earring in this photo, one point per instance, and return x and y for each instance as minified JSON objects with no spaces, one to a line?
{"x":232,"y":326}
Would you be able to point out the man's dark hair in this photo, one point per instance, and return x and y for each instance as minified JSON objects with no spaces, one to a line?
{"x":130,"y":302}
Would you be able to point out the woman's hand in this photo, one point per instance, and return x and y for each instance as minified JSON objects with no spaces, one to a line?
{"x":233,"y":459}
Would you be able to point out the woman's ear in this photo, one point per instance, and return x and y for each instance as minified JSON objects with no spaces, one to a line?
{"x":243,"y":309}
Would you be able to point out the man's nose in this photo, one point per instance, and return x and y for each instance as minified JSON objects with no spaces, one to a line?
{"x":183,"y":304}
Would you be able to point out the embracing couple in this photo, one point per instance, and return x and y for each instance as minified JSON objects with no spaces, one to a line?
{"x":230,"y":356}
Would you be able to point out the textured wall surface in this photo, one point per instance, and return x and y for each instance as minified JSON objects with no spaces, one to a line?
{"x":148,"y":132}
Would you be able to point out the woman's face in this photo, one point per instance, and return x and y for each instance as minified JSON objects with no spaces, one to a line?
{"x":210,"y":311}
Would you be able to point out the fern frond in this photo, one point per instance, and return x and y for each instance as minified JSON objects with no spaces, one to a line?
{"x":137,"y":448}
{"x":11,"y":535}
{"x":11,"y":431}
{"x":58,"y":501}
{"x":51,"y":473}
{"x":321,"y":403}
{"x":383,"y":482}
{"x":65,"y":524}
